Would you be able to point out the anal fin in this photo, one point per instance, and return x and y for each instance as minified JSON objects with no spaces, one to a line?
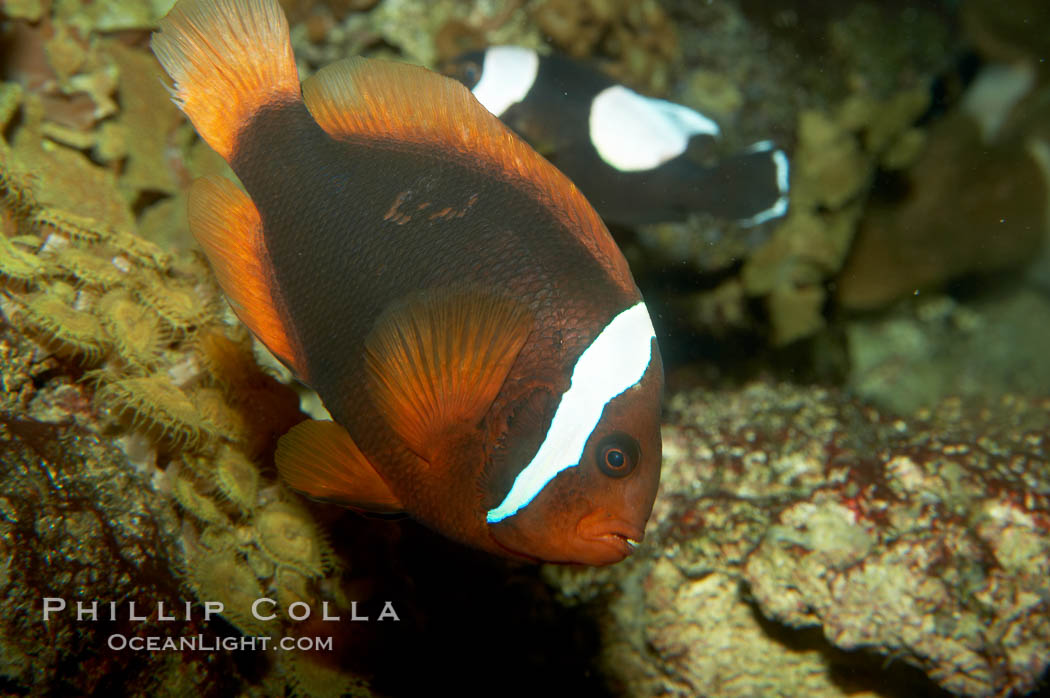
{"x":320,"y":460}
{"x":438,"y":360}
{"x":228,"y":227}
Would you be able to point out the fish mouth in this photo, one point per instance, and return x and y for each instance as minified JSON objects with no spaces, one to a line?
{"x":621,"y":544}
{"x":618,"y":538}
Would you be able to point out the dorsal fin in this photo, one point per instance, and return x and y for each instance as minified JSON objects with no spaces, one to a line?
{"x":319,"y":459}
{"x":227,"y":225}
{"x":438,"y":361}
{"x":382,"y":100}
{"x":227,"y":58}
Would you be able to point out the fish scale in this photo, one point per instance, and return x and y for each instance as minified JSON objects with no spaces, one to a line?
{"x":352,"y":246}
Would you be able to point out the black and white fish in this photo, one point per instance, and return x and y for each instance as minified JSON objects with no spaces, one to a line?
{"x":637,"y":159}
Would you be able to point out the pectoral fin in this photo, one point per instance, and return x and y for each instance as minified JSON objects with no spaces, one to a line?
{"x":438,"y":361}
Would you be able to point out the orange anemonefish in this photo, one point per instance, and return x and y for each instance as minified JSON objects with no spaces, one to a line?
{"x":460,"y":308}
{"x":636,"y":158}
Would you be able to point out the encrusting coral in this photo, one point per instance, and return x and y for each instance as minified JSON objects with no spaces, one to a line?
{"x":786,"y":510}
{"x":140,"y":354}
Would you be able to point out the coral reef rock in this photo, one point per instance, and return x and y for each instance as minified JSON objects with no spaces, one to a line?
{"x":934,"y":346}
{"x":803,"y":544}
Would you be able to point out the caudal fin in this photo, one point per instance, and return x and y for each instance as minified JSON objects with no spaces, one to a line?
{"x":750,"y":187}
{"x":227,"y":58}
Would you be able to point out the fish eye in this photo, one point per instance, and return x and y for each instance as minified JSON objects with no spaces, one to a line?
{"x":617,"y":455}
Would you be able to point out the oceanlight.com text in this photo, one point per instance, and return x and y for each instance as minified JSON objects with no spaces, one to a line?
{"x":202,"y":643}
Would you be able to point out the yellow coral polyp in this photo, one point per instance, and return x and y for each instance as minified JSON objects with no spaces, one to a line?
{"x":262,"y":566}
{"x":88,"y":267}
{"x":156,"y":405}
{"x":197,"y":504}
{"x":288,"y":535}
{"x":70,"y":225}
{"x":293,"y":586}
{"x":19,"y":266}
{"x":67,"y":330}
{"x":237,"y":479}
{"x":178,"y":303}
{"x":218,"y":539}
{"x":211,"y":404}
{"x":226,"y":578}
{"x":16,"y":190}
{"x":142,"y":251}
{"x":137,"y":333}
